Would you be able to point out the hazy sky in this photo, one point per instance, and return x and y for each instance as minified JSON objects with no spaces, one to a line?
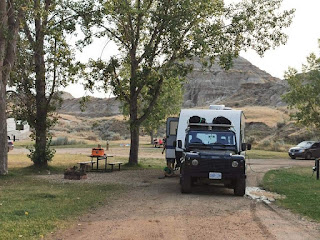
{"x":303,"y":39}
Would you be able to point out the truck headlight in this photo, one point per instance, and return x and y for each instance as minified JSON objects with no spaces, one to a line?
{"x":194,"y":162}
{"x":235,"y":164}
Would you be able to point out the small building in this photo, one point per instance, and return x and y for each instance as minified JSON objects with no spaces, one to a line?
{"x":17,"y":129}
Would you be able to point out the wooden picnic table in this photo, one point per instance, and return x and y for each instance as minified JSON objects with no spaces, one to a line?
{"x":100,"y":158}
{"x":96,"y":159}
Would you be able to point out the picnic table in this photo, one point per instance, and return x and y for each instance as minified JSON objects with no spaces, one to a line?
{"x":96,"y":159}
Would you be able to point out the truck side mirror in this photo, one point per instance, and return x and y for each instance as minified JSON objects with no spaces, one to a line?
{"x":243,"y":146}
{"x":179,"y":144}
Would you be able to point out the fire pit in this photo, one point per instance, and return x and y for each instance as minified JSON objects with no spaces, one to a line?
{"x":75,"y":173}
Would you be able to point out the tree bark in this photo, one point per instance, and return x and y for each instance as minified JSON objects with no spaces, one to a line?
{"x":134,"y":145}
{"x":41,"y":100}
{"x":10,"y":23}
{"x":3,"y":129}
{"x":3,"y":117}
{"x":151,"y":137}
{"x":41,"y":105}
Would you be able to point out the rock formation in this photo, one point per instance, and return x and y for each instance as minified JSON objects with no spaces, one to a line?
{"x":205,"y":86}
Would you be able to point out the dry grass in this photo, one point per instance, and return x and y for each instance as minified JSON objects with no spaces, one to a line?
{"x":269,"y":116}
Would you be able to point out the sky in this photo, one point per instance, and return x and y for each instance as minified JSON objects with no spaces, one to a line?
{"x":303,"y":33}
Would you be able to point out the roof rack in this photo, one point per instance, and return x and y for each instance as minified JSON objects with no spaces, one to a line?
{"x":209,"y":125}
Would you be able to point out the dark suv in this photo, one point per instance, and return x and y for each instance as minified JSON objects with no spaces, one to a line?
{"x":306,"y":150}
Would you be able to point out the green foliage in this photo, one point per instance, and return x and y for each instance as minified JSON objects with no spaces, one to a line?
{"x":63,"y":141}
{"x":304,"y":93}
{"x":31,"y":208}
{"x":301,"y":190}
{"x":41,"y":156}
{"x":45,"y":63}
{"x":155,"y":37}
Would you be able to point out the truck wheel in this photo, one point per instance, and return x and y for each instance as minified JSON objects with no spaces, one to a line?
{"x":185,"y":185}
{"x":240,"y":187}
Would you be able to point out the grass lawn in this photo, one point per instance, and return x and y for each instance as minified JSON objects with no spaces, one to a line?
{"x":31,"y":208}
{"x":262,"y":154}
{"x":301,"y":190}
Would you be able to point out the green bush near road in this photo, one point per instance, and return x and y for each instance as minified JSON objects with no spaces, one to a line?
{"x":301,"y":189}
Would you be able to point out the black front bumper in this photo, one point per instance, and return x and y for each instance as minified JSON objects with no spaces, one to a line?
{"x":297,"y":154}
{"x":205,"y":167}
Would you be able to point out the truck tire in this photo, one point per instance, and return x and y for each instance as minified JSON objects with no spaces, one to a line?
{"x":185,"y":185}
{"x":240,"y":187}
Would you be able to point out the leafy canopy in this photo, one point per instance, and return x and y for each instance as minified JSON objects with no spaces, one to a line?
{"x":304,"y":92}
{"x":154,"y":38}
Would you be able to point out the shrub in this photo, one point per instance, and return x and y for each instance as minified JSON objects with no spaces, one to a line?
{"x":280,"y":124}
{"x":61,"y":141}
{"x":116,"y":136}
{"x":92,"y":138}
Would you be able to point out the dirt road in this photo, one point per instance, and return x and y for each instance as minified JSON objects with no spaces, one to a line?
{"x":155,"y":209}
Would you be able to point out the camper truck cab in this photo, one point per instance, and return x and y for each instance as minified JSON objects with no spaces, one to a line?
{"x":210,"y":145}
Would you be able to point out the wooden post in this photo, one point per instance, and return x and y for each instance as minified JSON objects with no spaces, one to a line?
{"x":317,"y":168}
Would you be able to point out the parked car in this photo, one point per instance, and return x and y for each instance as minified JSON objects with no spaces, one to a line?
{"x":306,"y":150}
{"x":10,"y":145}
{"x":158,"y":143}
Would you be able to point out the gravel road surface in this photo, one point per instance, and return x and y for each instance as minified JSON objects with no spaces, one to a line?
{"x":155,"y":209}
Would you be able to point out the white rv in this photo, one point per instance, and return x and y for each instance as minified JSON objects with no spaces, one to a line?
{"x":208,"y":145}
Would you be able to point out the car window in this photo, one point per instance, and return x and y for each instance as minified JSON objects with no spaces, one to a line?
{"x":316,"y":145}
{"x":305,"y":144}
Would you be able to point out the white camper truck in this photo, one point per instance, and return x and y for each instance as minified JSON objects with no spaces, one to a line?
{"x":210,"y":147}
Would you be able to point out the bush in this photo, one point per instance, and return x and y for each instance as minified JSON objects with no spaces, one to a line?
{"x":266,"y":143}
{"x":280,"y":124}
{"x":115,"y":136}
{"x":92,"y":138}
{"x":61,"y":141}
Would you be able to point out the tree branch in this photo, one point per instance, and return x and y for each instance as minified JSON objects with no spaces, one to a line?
{"x":13,"y":29}
{"x":116,"y":78}
{"x":153,"y":101}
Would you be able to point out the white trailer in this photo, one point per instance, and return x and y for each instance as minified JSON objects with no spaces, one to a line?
{"x":236,"y":118}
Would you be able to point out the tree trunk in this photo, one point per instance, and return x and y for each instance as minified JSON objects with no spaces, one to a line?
{"x":151,"y":137}
{"x":134,"y":130}
{"x":41,"y":100}
{"x":3,"y":117}
{"x":134,"y":145}
{"x":3,"y":129}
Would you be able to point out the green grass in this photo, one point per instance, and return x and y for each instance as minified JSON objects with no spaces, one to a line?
{"x":31,"y":208}
{"x":262,"y":154}
{"x":301,"y":190}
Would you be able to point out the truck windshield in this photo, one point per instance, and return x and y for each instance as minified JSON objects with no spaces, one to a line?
{"x":223,"y":138}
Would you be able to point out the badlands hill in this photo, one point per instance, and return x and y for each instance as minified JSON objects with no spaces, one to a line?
{"x":242,"y":85}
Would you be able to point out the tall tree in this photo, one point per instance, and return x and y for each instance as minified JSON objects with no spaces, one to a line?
{"x":154,"y":38}
{"x":45,"y":63}
{"x":168,"y":104}
{"x":304,"y":93}
{"x":10,"y":15}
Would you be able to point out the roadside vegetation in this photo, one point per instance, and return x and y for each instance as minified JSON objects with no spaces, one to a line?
{"x":300,"y":188}
{"x":31,"y":208}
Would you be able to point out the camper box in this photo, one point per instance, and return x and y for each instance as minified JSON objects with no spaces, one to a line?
{"x":236,"y":117}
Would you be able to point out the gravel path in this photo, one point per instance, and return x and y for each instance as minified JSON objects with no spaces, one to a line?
{"x":155,"y":209}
